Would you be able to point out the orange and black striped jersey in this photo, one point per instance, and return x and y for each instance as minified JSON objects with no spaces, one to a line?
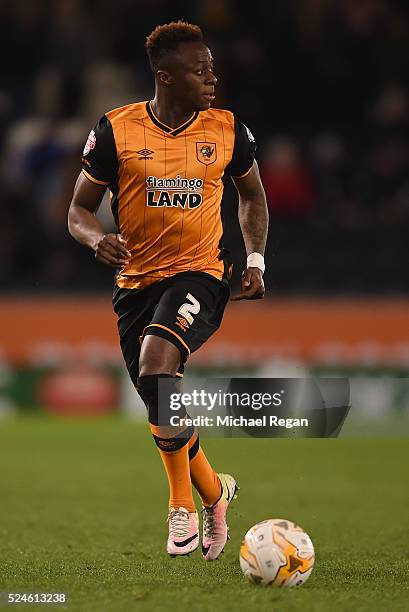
{"x":167,"y":186}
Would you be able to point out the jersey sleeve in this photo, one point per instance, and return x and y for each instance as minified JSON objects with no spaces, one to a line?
{"x":243,"y":152}
{"x":99,"y":157}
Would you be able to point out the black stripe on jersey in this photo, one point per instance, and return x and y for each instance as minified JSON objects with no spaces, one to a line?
{"x":162,"y":126}
{"x":166,"y":128}
{"x":185,"y":125}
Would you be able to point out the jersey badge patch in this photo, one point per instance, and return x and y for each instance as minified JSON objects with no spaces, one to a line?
{"x":206,"y":152}
{"x":90,"y":144}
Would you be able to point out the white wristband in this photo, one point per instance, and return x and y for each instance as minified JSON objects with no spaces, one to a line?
{"x":256,"y":260}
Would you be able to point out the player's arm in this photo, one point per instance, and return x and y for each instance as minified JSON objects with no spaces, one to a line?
{"x":253,"y":214}
{"x":85,"y":227}
{"x":253,"y":218}
{"x":99,"y":171}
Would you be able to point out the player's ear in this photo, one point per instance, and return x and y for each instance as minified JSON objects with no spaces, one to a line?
{"x":164,"y":78}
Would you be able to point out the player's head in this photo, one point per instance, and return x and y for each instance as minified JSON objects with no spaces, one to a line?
{"x":182,"y":64}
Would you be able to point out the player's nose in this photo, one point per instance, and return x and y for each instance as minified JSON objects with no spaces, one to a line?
{"x":211,"y":79}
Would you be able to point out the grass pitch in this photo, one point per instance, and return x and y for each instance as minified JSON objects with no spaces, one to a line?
{"x":83,"y":508}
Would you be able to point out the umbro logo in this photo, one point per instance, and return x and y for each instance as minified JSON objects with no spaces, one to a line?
{"x":145,"y":154}
{"x":182,"y":323}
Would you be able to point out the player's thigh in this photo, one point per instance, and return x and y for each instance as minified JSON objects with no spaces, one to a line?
{"x":135,"y":310}
{"x":189,"y":311}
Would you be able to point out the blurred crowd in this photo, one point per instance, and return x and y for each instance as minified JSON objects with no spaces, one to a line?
{"x":323,"y":85}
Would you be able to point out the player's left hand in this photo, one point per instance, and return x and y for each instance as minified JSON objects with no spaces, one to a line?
{"x":252,"y":285}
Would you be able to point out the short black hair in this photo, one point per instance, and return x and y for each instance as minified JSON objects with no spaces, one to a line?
{"x":165,"y":38}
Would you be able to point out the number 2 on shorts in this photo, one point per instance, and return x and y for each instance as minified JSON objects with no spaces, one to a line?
{"x":188,"y":309}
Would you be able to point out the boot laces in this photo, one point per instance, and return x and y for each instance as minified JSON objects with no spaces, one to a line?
{"x":208,"y":522}
{"x":178,"y":522}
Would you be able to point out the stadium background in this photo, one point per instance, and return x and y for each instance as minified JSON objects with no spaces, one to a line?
{"x":323,"y":86}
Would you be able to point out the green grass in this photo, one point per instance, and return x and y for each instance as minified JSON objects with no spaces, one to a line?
{"x":83,"y":505}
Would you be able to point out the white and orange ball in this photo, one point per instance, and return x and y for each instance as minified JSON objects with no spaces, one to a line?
{"x":277,"y":552}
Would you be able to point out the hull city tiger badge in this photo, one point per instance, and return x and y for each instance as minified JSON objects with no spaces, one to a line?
{"x":206,"y":152}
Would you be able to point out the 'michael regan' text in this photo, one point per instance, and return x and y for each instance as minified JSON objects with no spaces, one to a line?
{"x":240,"y":421}
{"x":263,"y":421}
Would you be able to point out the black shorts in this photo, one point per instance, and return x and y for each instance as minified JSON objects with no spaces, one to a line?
{"x":185,"y":309}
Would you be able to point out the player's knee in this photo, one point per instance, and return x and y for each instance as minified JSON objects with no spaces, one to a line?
{"x":155,"y":391}
{"x":148,"y":389}
{"x":158,"y":356}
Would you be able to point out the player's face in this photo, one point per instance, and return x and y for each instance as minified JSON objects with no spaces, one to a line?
{"x":194,"y":78}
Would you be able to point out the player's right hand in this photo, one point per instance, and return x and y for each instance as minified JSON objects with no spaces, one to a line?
{"x":111,"y":250}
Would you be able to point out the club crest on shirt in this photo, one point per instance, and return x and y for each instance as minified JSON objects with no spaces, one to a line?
{"x":206,"y":152}
{"x":91,"y":142}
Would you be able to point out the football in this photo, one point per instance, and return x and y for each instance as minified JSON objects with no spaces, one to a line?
{"x":277,"y":552}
